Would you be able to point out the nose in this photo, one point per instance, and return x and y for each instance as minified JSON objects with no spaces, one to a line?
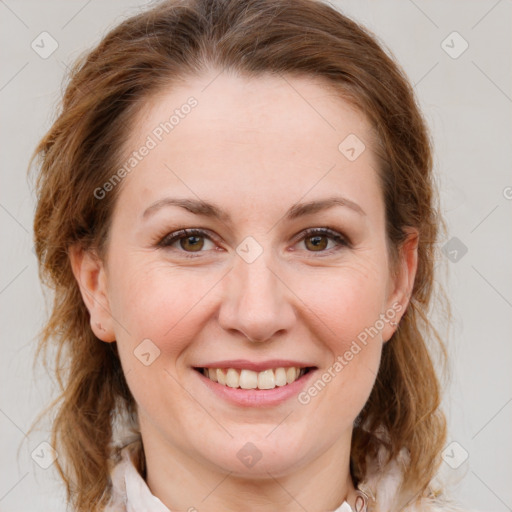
{"x":257,"y":301}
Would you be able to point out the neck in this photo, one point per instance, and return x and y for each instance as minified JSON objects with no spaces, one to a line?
{"x":184,"y":480}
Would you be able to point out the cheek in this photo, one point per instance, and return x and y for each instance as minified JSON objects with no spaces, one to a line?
{"x":152,"y":300}
{"x":347,"y":306}
{"x":346,"y":300}
{"x":169,"y":307}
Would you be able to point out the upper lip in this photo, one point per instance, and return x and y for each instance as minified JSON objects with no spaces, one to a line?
{"x":259,"y":366}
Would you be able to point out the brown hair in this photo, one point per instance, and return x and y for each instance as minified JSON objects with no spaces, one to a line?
{"x":107,"y":87}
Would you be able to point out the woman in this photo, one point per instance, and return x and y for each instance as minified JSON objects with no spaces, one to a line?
{"x":237,"y":213}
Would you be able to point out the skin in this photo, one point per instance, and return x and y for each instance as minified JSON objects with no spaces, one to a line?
{"x":254,"y":147}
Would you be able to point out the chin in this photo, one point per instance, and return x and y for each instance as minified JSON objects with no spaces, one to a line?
{"x":255,"y":456}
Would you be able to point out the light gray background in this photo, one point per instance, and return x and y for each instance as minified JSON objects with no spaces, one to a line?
{"x":467,"y":102}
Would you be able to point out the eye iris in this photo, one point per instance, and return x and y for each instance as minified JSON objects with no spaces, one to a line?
{"x":194,"y":245}
{"x":319,"y":242}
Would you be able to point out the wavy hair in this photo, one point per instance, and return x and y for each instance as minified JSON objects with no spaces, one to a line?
{"x":106,"y":88}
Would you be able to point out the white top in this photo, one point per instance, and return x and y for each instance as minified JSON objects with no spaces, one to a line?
{"x":130,"y":492}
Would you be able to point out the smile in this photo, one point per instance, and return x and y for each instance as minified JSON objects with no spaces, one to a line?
{"x":249,"y":379}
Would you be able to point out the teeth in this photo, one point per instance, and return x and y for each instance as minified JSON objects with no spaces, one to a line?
{"x":248,"y":379}
{"x":232,"y":378}
{"x":221,"y":376}
{"x":280,"y":375}
{"x":291,"y":375}
{"x":266,"y":380}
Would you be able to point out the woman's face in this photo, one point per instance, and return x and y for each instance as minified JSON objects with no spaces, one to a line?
{"x":255,"y":164}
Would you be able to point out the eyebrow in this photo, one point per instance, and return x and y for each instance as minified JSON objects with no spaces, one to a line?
{"x":206,"y":209}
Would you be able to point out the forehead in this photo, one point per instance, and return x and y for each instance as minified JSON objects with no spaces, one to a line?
{"x":254,"y":139}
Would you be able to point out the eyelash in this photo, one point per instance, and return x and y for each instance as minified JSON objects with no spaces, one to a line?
{"x":169,"y":239}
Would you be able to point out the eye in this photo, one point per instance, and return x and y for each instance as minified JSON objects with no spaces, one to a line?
{"x":317,"y":240}
{"x":188,"y":240}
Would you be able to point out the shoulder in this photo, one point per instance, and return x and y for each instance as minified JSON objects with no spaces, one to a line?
{"x":129,"y":490}
{"x":383,"y":487}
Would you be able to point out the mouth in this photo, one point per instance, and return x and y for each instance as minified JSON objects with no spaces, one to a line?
{"x":247,"y":379}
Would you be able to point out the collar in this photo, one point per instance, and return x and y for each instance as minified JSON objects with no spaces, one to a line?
{"x":130,"y":493}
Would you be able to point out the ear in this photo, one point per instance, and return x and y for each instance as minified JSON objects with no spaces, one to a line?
{"x":401,"y":282}
{"x":90,"y":275}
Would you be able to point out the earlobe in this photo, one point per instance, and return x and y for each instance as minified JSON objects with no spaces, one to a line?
{"x":89,"y":273}
{"x":403,"y":281}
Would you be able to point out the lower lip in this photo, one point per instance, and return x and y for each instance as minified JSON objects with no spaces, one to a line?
{"x":257,"y":397}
